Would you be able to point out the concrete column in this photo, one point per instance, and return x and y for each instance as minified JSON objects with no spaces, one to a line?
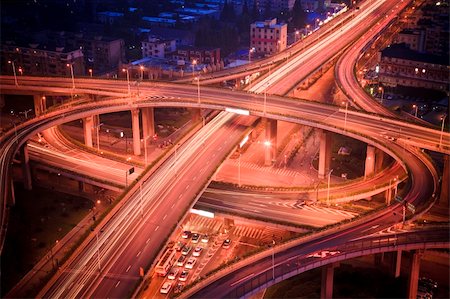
{"x":398,"y":263}
{"x":148,"y":122}
{"x":414,"y":275}
{"x":379,"y":158}
{"x":270,"y":142}
{"x":326,"y":290}
{"x":443,"y":198}
{"x":136,"y":132}
{"x":324,"y":154}
{"x":196,"y":114}
{"x":26,"y":167}
{"x":39,"y":104}
{"x":88,"y":125}
{"x":81,"y":186}
{"x":388,"y":196}
{"x":370,"y":161}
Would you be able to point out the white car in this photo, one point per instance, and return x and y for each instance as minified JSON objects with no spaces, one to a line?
{"x":190,"y":263}
{"x":173,"y":273}
{"x":183,"y":276}
{"x":324,"y":253}
{"x":165,"y":288}
{"x":198,"y":250}
{"x":205,"y":238}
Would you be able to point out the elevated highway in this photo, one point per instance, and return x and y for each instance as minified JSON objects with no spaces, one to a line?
{"x":288,"y":262}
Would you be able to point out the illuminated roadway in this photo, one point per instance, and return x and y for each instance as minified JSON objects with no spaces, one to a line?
{"x":325,"y":116}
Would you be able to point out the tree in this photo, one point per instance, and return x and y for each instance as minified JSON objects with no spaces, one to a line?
{"x":298,"y":15}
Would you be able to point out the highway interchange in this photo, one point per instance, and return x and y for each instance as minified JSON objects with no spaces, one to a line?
{"x":319,"y":115}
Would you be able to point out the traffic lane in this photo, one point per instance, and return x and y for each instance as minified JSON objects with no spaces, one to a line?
{"x":107,"y":288}
{"x":272,"y":210}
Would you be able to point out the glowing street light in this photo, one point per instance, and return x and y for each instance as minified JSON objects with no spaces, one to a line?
{"x":328,"y":189}
{"x":297,"y":33}
{"x":381,"y":89}
{"x":14,"y":71}
{"x":415,"y":112}
{"x":249,"y":54}
{"x":142,"y":72}
{"x":128,"y":79}
{"x":71,"y":73}
{"x":90,"y":72}
{"x":194,"y":63}
{"x":442,"y":129}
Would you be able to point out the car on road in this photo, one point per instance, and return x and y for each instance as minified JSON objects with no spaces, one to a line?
{"x":323,"y":253}
{"x":197,"y":251}
{"x":190,"y":263}
{"x":195,"y":238}
{"x":226,"y":243}
{"x":181,"y":260}
{"x":173,"y":273}
{"x":186,"y":234}
{"x":205,"y":238}
{"x":186,"y":250}
{"x":165,"y":288}
{"x":183,"y":276}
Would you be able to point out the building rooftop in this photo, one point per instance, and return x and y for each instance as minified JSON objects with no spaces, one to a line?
{"x":111,"y":14}
{"x":403,"y":52}
{"x":159,"y":20}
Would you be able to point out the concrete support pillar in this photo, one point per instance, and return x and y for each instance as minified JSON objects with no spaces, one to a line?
{"x":388,"y":196}
{"x":398,"y":263}
{"x":414,"y":275}
{"x":443,"y":198}
{"x":326,"y":290}
{"x":148,"y":123}
{"x":370,"y":161}
{"x":81,"y":186}
{"x":40,"y":104}
{"x":270,"y":142}
{"x":26,"y":167}
{"x":196,"y":114}
{"x":324,"y":153}
{"x":136,"y":132}
{"x":88,"y":125}
{"x":379,"y":159}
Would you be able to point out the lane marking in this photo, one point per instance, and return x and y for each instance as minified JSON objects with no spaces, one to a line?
{"x":164,"y":217}
{"x":148,"y":240}
{"x":117,"y":284}
{"x":156,"y":228}
{"x":139,"y":253}
{"x":242,"y":279}
{"x":128,"y":269}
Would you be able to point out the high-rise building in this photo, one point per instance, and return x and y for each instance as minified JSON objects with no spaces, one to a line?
{"x":268,"y":37}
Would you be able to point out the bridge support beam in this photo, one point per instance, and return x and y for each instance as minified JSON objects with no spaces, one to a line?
{"x":40,"y":104}
{"x":136,"y":132}
{"x":370,"y":161}
{"x":88,"y":125}
{"x":26,"y":167}
{"x":379,"y":159}
{"x":414,"y":274}
{"x":398,"y":263}
{"x":270,"y":142}
{"x":326,"y":290}
{"x":196,"y":114}
{"x":324,"y":153}
{"x":148,"y":122}
{"x":443,"y":198}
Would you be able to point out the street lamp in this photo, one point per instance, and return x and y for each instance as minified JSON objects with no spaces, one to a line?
{"x":381,"y":89}
{"x":98,"y":135}
{"x":415,"y":107}
{"x":345,"y":118}
{"x":194,"y":63}
{"x":14,"y":71}
{"x":142,"y":72}
{"x":128,"y":79}
{"x":328,"y":189}
{"x":296,"y":34}
{"x":249,"y":54}
{"x":25,"y":113}
{"x":316,"y":22}
{"x":273,"y":259}
{"x":442,"y":129}
{"x":198,"y":89}
{"x":278,"y":45}
{"x":71,"y":73}
{"x":90,"y":72}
